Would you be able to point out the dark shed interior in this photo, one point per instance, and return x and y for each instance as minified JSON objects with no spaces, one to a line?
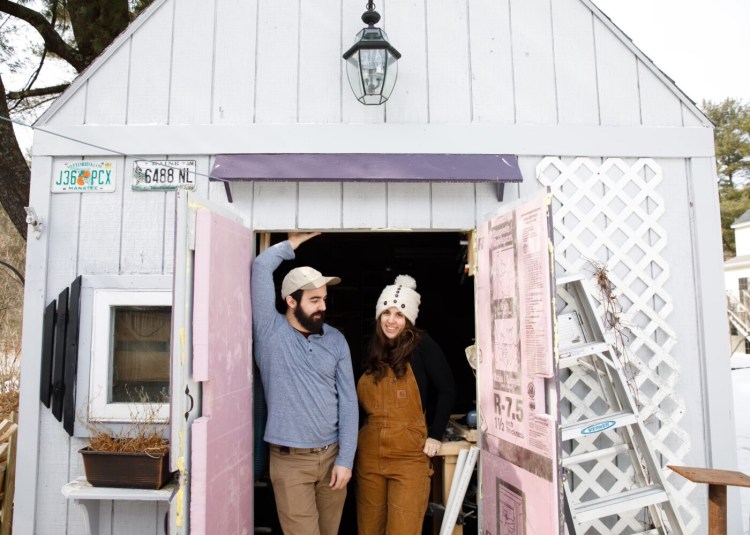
{"x":366,"y":263}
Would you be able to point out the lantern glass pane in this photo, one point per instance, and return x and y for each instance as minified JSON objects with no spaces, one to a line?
{"x":372,"y":67}
{"x":352,"y":73}
{"x":390,"y":76}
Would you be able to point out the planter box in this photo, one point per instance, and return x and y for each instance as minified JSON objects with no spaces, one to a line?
{"x":125,"y":470}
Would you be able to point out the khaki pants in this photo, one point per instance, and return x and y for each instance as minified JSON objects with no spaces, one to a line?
{"x":305,"y":502}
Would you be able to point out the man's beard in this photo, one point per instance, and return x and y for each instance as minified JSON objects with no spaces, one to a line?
{"x":313,"y":323}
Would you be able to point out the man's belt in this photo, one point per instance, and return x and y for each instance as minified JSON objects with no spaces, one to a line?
{"x":287,"y":450}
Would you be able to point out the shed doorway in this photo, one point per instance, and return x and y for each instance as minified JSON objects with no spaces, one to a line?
{"x":367,"y":262}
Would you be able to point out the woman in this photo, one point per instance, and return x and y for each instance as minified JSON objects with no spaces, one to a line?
{"x":395,"y":444}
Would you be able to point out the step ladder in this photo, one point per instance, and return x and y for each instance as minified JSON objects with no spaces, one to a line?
{"x":617,"y":433}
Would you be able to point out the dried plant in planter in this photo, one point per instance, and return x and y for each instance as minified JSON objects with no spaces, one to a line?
{"x":136,"y":457}
{"x":143,"y":434}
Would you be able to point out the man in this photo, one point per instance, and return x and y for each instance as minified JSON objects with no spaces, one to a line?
{"x":306,"y":370}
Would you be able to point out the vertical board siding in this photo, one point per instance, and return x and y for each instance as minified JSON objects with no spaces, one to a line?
{"x":28,"y":464}
{"x":676,"y":222}
{"x":74,"y":110}
{"x":217,"y":192}
{"x":486,"y":200}
{"x":690,"y":117}
{"x":618,"y":79}
{"x":99,"y":233}
{"x":169,"y":232}
{"x":409,"y":206}
{"x":142,"y":249}
{"x":575,"y":63}
{"x":201,"y":188}
{"x":63,"y":227}
{"x":108,"y":90}
{"x":277,"y":58}
{"x":405,"y":27}
{"x":319,"y":205}
{"x":449,"y":72}
{"x":711,"y":304}
{"x":192,"y":62}
{"x":659,"y":106}
{"x":491,"y":61}
{"x":453,"y":206}
{"x":234,"y":62}
{"x":54,"y":453}
{"x":320,"y":62}
{"x":234,"y":57}
{"x":148,"y":83}
{"x":364,"y":205}
{"x":76,"y":520}
{"x":533,"y":62}
{"x":129,"y":518}
{"x":242,"y":197}
{"x":274,"y":205}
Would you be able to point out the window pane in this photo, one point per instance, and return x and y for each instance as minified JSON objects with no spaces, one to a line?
{"x":140,"y":356}
{"x":743,"y":283}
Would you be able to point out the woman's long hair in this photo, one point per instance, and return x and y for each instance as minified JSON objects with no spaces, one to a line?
{"x":383,"y":352}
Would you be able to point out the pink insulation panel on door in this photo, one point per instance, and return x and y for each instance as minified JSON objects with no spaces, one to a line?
{"x":221,"y":471}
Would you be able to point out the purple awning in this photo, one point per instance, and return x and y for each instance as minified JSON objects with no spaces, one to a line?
{"x":499,"y":168}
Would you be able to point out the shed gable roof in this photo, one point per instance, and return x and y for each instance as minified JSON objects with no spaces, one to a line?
{"x":53,"y":113}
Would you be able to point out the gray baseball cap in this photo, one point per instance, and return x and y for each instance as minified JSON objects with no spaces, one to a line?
{"x":305,"y":278}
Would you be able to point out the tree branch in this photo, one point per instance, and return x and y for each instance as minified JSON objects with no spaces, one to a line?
{"x":14,"y":172}
{"x":52,"y":39}
{"x":37,"y":92}
{"x":14,"y":271}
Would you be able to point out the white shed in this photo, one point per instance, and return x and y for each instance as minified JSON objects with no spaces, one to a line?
{"x":629,"y":160}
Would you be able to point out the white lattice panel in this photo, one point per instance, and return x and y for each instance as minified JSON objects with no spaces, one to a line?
{"x":607,"y":215}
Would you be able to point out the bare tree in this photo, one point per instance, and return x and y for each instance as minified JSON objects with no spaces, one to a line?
{"x":76,"y":31}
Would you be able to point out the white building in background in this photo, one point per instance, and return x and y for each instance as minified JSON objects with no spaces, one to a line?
{"x":736,"y":278}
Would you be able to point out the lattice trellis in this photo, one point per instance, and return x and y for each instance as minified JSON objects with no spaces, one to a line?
{"x":607,"y":215}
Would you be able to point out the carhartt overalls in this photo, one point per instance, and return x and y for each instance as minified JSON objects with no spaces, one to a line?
{"x":391,"y":470}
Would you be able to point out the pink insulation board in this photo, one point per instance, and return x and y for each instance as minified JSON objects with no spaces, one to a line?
{"x":222,"y":437}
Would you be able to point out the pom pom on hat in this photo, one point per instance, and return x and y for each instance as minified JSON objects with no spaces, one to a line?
{"x":401,"y":294}
{"x":406,"y":280}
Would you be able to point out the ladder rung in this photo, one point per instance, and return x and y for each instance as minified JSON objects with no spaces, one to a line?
{"x":568,"y":278}
{"x":597,"y":425}
{"x":570,"y":356}
{"x":617,"y":503}
{"x":593,"y":455}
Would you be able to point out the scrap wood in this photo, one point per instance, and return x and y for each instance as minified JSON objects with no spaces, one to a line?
{"x":7,"y":428}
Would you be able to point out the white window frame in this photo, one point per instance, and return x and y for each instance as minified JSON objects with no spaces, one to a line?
{"x":99,"y":409}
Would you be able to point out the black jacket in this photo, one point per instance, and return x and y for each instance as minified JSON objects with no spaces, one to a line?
{"x":437,"y":389}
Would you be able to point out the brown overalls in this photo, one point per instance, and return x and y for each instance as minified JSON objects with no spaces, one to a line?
{"x":391,"y":470}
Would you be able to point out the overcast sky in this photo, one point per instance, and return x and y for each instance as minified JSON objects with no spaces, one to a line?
{"x":703,"y":45}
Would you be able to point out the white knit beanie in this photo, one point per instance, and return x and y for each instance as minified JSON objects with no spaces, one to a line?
{"x":402,"y":295}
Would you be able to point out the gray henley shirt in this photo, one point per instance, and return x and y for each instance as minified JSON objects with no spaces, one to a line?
{"x":308,"y":381}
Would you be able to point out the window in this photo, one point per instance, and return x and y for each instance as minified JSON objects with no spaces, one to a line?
{"x":130,"y":353}
{"x":747,"y":346}
{"x":742,"y":284}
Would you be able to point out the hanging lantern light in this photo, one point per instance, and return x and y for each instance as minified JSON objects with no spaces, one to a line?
{"x":371,"y":62}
